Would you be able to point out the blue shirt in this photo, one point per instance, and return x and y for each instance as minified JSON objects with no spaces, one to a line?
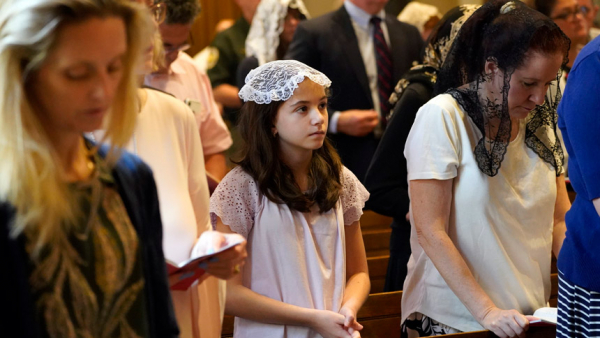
{"x":579,"y":121}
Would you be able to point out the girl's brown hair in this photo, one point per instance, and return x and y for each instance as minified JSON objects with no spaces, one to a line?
{"x":260,"y":158}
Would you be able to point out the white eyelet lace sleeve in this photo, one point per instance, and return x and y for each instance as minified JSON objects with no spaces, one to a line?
{"x":353,"y":197}
{"x":235,"y":201}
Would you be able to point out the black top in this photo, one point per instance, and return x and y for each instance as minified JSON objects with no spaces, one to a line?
{"x":137,"y":189}
{"x":386,"y":178}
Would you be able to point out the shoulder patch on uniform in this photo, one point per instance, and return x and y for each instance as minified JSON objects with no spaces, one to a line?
{"x":212,"y":57}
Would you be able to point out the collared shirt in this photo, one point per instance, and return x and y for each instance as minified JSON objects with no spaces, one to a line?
{"x":185,"y":80}
{"x":363,"y":28}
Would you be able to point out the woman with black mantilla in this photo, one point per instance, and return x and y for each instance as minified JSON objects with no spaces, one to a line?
{"x":488,"y":196}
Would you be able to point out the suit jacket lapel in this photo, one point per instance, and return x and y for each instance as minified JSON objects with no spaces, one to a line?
{"x":349,"y":43}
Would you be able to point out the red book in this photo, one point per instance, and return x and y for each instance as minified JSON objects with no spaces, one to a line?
{"x":191,"y":266}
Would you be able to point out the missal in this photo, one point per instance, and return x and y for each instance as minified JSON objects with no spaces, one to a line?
{"x":190,"y":268}
{"x":544,"y":316}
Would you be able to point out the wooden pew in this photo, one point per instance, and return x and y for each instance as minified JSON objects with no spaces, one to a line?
{"x":376,"y":233}
{"x":373,"y":220}
{"x":380,"y":315}
{"x":377,"y":271}
{"x":533,"y":332}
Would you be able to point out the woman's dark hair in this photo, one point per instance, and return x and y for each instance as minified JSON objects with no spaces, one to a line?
{"x":260,"y":158}
{"x":504,"y":31}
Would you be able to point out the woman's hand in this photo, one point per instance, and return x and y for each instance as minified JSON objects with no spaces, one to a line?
{"x":329,"y":324}
{"x":350,"y":323}
{"x":505,"y":323}
{"x":227,"y":263}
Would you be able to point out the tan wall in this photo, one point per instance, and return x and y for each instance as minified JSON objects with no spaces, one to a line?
{"x":320,"y":7}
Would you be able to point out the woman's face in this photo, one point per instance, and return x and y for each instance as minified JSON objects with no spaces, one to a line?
{"x":301,"y":121}
{"x":292,"y":19}
{"x":74,"y":88}
{"x":529,"y":83}
{"x":568,"y":17}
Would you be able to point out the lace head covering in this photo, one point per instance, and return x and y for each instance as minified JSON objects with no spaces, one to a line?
{"x":266,"y":27}
{"x":438,"y":45}
{"x":502,"y":32}
{"x":444,"y":33}
{"x":277,"y":80}
{"x":417,"y":14}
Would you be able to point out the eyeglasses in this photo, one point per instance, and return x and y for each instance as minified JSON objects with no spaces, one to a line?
{"x":584,"y":10}
{"x":570,"y":14}
{"x":158,"y":12}
{"x":180,"y":48}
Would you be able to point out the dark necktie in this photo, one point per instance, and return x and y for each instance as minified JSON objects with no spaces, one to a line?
{"x":383,"y":57}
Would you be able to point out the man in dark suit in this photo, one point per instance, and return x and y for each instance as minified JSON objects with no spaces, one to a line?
{"x":364,"y":52}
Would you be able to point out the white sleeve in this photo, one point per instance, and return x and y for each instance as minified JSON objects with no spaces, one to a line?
{"x":432,"y":149}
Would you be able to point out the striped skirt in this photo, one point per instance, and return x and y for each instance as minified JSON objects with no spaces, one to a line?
{"x":578,"y":311}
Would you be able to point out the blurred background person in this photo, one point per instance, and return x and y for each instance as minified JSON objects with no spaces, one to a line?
{"x":568,"y":16}
{"x":81,"y":243}
{"x":589,"y":9}
{"x":231,"y":45}
{"x":422,"y":16}
{"x":208,"y":56}
{"x":271,"y":32}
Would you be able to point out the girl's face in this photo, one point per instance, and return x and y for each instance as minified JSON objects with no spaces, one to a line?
{"x":529,"y":83}
{"x":301,"y":121}
{"x":292,"y":19}
{"x":74,"y":88}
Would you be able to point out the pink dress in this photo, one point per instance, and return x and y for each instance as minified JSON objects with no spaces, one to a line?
{"x":294,"y":257}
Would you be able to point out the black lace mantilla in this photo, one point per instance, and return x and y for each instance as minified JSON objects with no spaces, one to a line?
{"x":500,"y":32}
{"x":493,"y":121}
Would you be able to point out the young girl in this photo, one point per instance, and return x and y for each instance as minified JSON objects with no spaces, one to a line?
{"x":299,"y":208}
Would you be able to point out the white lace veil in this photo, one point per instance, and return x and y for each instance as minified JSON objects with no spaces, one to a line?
{"x":277,"y":80}
{"x":267,"y":25}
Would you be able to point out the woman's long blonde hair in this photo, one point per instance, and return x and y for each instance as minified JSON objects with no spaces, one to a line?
{"x":31,"y":177}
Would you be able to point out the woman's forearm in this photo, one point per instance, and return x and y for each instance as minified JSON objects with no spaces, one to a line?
{"x":431,"y":206}
{"x":449,"y":262}
{"x":245,"y":303}
{"x":357,"y":291}
{"x":358,"y":283}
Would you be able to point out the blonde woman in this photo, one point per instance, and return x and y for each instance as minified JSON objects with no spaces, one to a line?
{"x":80,"y":230}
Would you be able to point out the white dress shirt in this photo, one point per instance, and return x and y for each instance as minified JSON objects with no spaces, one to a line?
{"x":363,"y":28}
